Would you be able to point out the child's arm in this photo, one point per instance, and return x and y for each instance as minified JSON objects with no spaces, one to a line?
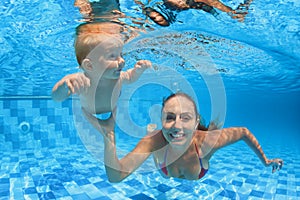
{"x":70,"y":84}
{"x":134,"y":74}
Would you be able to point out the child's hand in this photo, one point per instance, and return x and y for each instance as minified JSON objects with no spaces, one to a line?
{"x":77,"y":82}
{"x":142,"y":65}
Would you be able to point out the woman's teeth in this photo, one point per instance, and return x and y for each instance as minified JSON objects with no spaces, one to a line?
{"x":177,"y":135}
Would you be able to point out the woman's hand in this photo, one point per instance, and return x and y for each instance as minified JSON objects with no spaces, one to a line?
{"x":276,"y":164}
{"x":103,"y":126}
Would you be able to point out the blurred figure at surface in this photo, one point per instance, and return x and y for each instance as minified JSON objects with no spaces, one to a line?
{"x":168,"y":8}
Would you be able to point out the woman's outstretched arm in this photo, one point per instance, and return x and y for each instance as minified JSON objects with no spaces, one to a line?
{"x":219,"y":138}
{"x":116,"y":169}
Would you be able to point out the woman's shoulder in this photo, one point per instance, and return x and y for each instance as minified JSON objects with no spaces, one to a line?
{"x":204,"y":138}
{"x":200,"y":134}
{"x":150,"y":142}
{"x":157,"y":139}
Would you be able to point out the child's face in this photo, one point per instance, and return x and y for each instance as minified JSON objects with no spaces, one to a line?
{"x":108,"y":61}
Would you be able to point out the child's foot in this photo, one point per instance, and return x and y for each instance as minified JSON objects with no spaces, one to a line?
{"x":151,"y":127}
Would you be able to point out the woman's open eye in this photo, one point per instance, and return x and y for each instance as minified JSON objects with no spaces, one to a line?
{"x":185,"y":117}
{"x":171,"y":117}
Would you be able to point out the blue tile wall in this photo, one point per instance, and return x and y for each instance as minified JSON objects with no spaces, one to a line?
{"x":46,"y":159}
{"x":46,"y":129}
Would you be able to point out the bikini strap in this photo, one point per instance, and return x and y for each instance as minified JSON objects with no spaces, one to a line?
{"x":198,"y":155}
{"x":197,"y":150}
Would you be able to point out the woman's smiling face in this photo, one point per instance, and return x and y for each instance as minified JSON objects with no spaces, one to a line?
{"x":179,"y":120}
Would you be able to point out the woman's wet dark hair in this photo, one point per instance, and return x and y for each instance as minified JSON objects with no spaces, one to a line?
{"x":201,"y":125}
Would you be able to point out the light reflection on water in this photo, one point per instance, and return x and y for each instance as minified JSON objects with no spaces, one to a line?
{"x":37,"y":37}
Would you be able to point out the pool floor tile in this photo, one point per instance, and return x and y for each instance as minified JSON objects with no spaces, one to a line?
{"x":51,"y":162}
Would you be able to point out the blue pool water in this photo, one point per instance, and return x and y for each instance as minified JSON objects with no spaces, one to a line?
{"x":244,"y":74}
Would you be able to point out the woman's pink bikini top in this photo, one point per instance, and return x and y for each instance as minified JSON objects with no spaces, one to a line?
{"x":163,"y":166}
